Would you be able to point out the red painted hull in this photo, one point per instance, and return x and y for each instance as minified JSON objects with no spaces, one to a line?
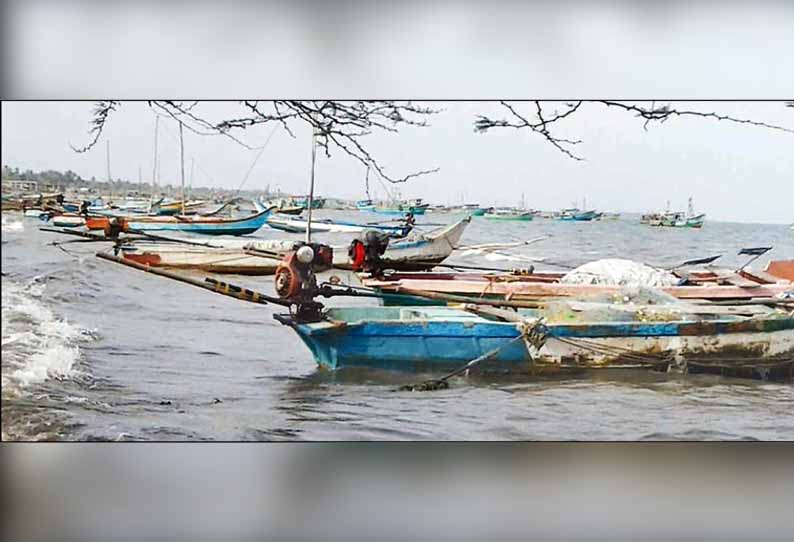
{"x":783,"y":269}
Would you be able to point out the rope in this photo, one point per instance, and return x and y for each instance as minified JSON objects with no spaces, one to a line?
{"x":532,"y":332}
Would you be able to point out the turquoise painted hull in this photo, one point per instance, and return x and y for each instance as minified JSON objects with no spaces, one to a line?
{"x":243,"y":226}
{"x":395,"y":211}
{"x":442,"y":338}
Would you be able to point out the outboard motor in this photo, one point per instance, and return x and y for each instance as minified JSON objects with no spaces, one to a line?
{"x":113,"y":228}
{"x":365,"y":252}
{"x":296,"y":279}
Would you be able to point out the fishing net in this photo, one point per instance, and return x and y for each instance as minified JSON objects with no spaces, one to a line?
{"x":618,"y":272}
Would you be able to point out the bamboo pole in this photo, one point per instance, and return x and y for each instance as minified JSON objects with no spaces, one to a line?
{"x":212,"y":285}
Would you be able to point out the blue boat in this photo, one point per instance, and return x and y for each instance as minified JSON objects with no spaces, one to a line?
{"x":578,"y":215}
{"x":206,"y":225}
{"x":439,"y":338}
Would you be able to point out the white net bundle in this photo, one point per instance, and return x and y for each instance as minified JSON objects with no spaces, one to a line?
{"x":618,"y":272}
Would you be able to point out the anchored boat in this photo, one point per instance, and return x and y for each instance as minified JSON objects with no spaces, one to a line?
{"x":298,"y":225}
{"x":261,"y":257}
{"x":508,"y":214}
{"x":434,"y":338}
{"x":524,"y":286}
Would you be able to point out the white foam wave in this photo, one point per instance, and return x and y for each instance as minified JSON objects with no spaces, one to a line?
{"x":10,"y":224}
{"x":37,"y":345}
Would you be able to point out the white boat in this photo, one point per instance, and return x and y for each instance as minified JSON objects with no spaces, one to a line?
{"x":228,"y":260}
{"x":68,"y":221}
{"x":35,"y":213}
{"x":231,"y":256}
{"x":299,"y":225}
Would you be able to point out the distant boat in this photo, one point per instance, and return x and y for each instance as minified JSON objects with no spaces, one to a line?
{"x":509,"y":214}
{"x":365,"y":205}
{"x":578,"y":215}
{"x":416,"y":207}
{"x":303,"y":201}
{"x":175,"y":207}
{"x":675,"y":219}
{"x":609,"y":216}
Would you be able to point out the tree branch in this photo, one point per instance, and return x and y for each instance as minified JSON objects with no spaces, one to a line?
{"x":336,"y":124}
{"x":100,"y":116}
{"x":541,"y":123}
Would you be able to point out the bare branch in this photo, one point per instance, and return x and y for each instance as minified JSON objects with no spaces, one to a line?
{"x":540,"y":125}
{"x":541,"y":122}
{"x":100,"y":116}
{"x":664,"y":112}
{"x":336,"y":124}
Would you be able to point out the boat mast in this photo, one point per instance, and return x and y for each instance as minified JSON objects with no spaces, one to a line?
{"x":366,"y":183}
{"x":311,"y":188}
{"x":154,"y":165}
{"x":690,"y":208}
{"x":190,"y":184}
{"x":107,"y":147}
{"x":182,"y":164}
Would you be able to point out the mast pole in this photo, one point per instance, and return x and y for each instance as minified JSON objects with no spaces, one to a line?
{"x":192,"y":163}
{"x":154,"y":164}
{"x":311,"y":188}
{"x":182,"y":164}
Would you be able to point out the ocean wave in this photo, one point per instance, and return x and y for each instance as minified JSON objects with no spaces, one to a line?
{"x":37,"y":344}
{"x":11,"y":224}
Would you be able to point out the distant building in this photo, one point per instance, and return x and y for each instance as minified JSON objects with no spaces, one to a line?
{"x":18,"y":185}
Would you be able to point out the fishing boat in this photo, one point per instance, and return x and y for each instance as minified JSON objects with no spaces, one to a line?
{"x":172,"y":208}
{"x":525,"y":286}
{"x":415,"y":206}
{"x":35,"y":213}
{"x":609,"y":216}
{"x":207,"y":225}
{"x":574,"y":214}
{"x":218,"y":259}
{"x":675,"y":219}
{"x":566,"y":335}
{"x":365,"y":205}
{"x":299,"y":225}
{"x":261,"y":257}
{"x":417,"y":252}
{"x":303,"y":201}
{"x":68,"y":221}
{"x":508,"y":214}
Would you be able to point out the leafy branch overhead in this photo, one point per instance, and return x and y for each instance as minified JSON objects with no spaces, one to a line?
{"x":336,"y":124}
{"x":542,"y":121}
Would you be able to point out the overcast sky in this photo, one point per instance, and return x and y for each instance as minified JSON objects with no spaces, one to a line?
{"x":734,"y":172}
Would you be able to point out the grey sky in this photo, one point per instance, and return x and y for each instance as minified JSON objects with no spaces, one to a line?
{"x":740,"y":173}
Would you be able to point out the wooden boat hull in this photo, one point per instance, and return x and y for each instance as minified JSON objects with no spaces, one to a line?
{"x":293,"y":225}
{"x":782,"y":269}
{"x":211,"y":260}
{"x":416,"y":210}
{"x":416,"y":254}
{"x":198,"y":224}
{"x":526,"y":217}
{"x":520,"y":289}
{"x":414,"y":339}
{"x":68,"y":221}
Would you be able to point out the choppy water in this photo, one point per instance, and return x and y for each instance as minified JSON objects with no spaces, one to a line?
{"x":95,"y":351}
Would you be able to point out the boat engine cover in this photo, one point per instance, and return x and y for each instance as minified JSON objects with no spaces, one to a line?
{"x":365,"y":252}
